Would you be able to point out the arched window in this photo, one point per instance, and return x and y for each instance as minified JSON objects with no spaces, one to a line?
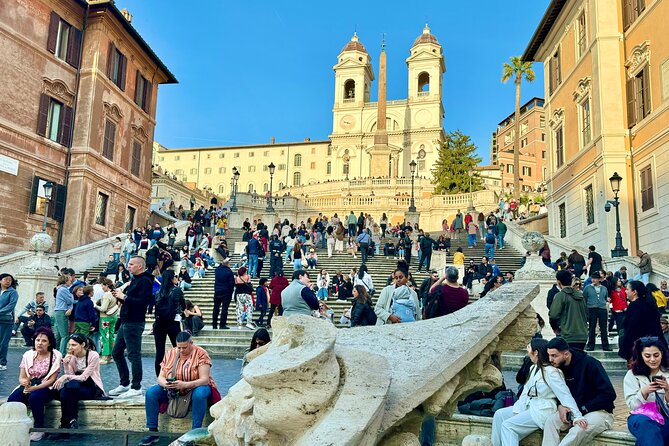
{"x":221,"y":188}
{"x":281,"y":186}
{"x":297,"y":179}
{"x":423,"y":82}
{"x":328,"y":168}
{"x":349,"y":89}
{"x":298,"y":160}
{"x":265,"y":187}
{"x":252,"y":188}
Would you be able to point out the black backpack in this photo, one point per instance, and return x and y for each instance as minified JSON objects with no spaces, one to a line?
{"x":490,"y":239}
{"x":166,"y":306}
{"x":432,"y":303}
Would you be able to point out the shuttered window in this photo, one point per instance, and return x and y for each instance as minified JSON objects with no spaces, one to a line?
{"x":136,"y":160}
{"x":647,"y":198}
{"x":589,"y":206}
{"x":559,"y":147}
{"x":116,"y":66}
{"x":142,"y":92}
{"x":54,"y":120}
{"x":638,"y":97}
{"x":101,"y":209}
{"x":586,"y":127}
{"x":554,"y":72}
{"x":631,"y":10}
{"x":129,"y":218}
{"x":38,"y":199}
{"x":64,"y":40}
{"x":109,"y":140}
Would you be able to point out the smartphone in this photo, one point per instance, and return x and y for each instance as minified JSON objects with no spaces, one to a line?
{"x":570,"y":417}
{"x":171,"y":380}
{"x":657,"y":377}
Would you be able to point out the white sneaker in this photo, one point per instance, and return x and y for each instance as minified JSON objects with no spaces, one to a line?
{"x":36,"y":436}
{"x":119,"y":390}
{"x":3,"y":367}
{"x":132,"y":393}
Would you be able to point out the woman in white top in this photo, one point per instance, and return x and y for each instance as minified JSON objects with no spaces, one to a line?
{"x":646,"y":380}
{"x":363,"y":278}
{"x":397,"y":303}
{"x":323,"y":282}
{"x":545,"y":387}
{"x":376,"y":238}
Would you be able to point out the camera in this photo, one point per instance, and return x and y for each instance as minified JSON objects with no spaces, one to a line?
{"x":607,"y":207}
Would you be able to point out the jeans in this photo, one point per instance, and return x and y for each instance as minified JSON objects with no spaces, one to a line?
{"x":253,"y":265}
{"x":322,"y":239}
{"x":157,"y":395}
{"x":500,"y":241}
{"x":351,"y":230}
{"x":288,"y":251}
{"x":161,"y":330}
{"x":275,"y":265}
{"x":60,"y":330}
{"x":311,"y":263}
{"x":35,"y":400}
{"x":490,"y":251}
{"x":185,"y":285}
{"x":645,"y":277}
{"x":130,"y":336}
{"x":221,"y":303}
{"x":647,"y":431}
{"x":21,"y":320}
{"x":117,"y":257}
{"x":424,"y":259}
{"x":597,"y":315}
{"x":70,"y":394}
{"x":383,"y":231}
{"x":5,"y":336}
{"x":364,"y":249}
{"x":471,"y":240}
{"x":297,"y":264}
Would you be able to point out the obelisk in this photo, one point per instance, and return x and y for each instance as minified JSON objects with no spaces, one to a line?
{"x":380,"y":152}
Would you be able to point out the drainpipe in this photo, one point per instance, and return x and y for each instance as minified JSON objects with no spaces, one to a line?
{"x":68,"y":156}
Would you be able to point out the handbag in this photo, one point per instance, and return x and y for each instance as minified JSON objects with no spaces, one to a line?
{"x":178,"y":404}
{"x":304,"y":261}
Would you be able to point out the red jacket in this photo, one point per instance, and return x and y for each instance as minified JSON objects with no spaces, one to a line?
{"x":619,"y":299}
{"x":276,"y":285}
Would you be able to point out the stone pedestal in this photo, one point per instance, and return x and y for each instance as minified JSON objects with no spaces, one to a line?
{"x":438,"y":262}
{"x":15,"y":424}
{"x":534,"y":269}
{"x":270,"y":218}
{"x":38,"y":273}
{"x":411,"y":217}
{"x":235,"y":220}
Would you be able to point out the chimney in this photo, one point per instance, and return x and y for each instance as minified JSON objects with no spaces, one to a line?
{"x":125,"y":13}
{"x":272,"y":140}
{"x":307,"y":139}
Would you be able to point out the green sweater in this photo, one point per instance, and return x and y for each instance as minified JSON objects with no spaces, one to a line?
{"x":570,"y":311}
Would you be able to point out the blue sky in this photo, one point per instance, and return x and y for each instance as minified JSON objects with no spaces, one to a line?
{"x":248,"y":71}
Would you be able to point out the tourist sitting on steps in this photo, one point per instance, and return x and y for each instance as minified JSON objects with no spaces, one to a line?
{"x":81,"y":379}
{"x":33,"y":323}
{"x":38,"y":371}
{"x":192,"y":320}
{"x":545,"y":386}
{"x":644,"y":383}
{"x":185,"y":370}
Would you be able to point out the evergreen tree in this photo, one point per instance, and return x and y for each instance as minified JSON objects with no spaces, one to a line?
{"x":457,"y":156}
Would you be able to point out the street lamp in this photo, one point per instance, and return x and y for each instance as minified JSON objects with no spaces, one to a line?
{"x":412,"y":167}
{"x":48,"y":189}
{"x":618,"y":250}
{"x":235,"y":180}
{"x":470,"y":207}
{"x":271,"y":168}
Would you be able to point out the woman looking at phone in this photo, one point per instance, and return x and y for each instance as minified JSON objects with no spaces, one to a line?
{"x":643,"y":383}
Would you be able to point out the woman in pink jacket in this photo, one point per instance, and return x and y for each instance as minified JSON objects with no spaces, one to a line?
{"x":81,"y":379}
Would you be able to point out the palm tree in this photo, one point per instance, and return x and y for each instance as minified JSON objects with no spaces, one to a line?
{"x":518,"y":69}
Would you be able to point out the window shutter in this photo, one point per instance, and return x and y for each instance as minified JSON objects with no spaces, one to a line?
{"x":58,"y":202}
{"x":147,"y":96}
{"x":110,"y":59}
{"x":123,"y":64}
{"x":43,"y":114}
{"x":53,"y":32}
{"x":65,"y":133}
{"x":630,"y":103}
{"x":138,"y":78}
{"x":646,"y":92}
{"x":74,"y":47}
{"x":33,"y":195}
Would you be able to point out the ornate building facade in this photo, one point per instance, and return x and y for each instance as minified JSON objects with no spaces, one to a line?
{"x":77,"y":109}
{"x":606,"y":68}
{"x":413,"y":131}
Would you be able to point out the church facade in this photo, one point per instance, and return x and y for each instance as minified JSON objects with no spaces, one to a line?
{"x":413,"y":131}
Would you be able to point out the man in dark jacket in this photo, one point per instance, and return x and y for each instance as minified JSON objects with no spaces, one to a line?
{"x":426,"y":243}
{"x":551,"y":295}
{"x":275,"y":250}
{"x":591,"y":388}
{"x":425,"y":285}
{"x":131,"y":321}
{"x":224,"y":285}
{"x":35,"y":321}
{"x":568,"y":314}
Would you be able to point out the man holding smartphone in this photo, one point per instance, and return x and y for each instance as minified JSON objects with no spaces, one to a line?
{"x":132,"y":321}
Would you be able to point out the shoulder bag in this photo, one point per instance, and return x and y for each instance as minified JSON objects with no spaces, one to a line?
{"x":178,"y":404}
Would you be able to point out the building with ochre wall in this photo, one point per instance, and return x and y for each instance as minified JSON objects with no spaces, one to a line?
{"x":79,"y":88}
{"x":606,"y":66}
{"x":413,"y":126}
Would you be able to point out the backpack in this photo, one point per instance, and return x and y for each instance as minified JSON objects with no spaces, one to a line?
{"x":432,"y":303}
{"x":166,"y":306}
{"x":490,"y":239}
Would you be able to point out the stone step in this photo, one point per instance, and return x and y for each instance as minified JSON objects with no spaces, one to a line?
{"x":512,"y":361}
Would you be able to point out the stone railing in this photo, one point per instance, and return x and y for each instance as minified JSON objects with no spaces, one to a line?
{"x":380,"y":186}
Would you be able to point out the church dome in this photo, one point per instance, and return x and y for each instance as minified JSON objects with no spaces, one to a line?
{"x":426,"y":37}
{"x":354,"y":45}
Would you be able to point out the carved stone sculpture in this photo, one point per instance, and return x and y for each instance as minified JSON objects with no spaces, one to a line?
{"x":534,"y":268}
{"x":315,"y":385}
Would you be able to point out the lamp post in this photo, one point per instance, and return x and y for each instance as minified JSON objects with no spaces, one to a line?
{"x":618,"y":250}
{"x":235,"y":180}
{"x":412,"y":167}
{"x":48,"y":189}
{"x":271,"y":168}
{"x":470,"y":207}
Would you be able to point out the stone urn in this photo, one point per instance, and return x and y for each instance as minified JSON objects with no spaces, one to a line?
{"x":534,"y":268}
{"x":41,"y":242}
{"x":15,"y":424}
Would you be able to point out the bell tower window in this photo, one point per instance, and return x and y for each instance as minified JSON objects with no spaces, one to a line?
{"x":349,"y":90}
{"x":423,"y":84}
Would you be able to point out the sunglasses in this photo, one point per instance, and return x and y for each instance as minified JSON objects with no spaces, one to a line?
{"x":648,"y":340}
